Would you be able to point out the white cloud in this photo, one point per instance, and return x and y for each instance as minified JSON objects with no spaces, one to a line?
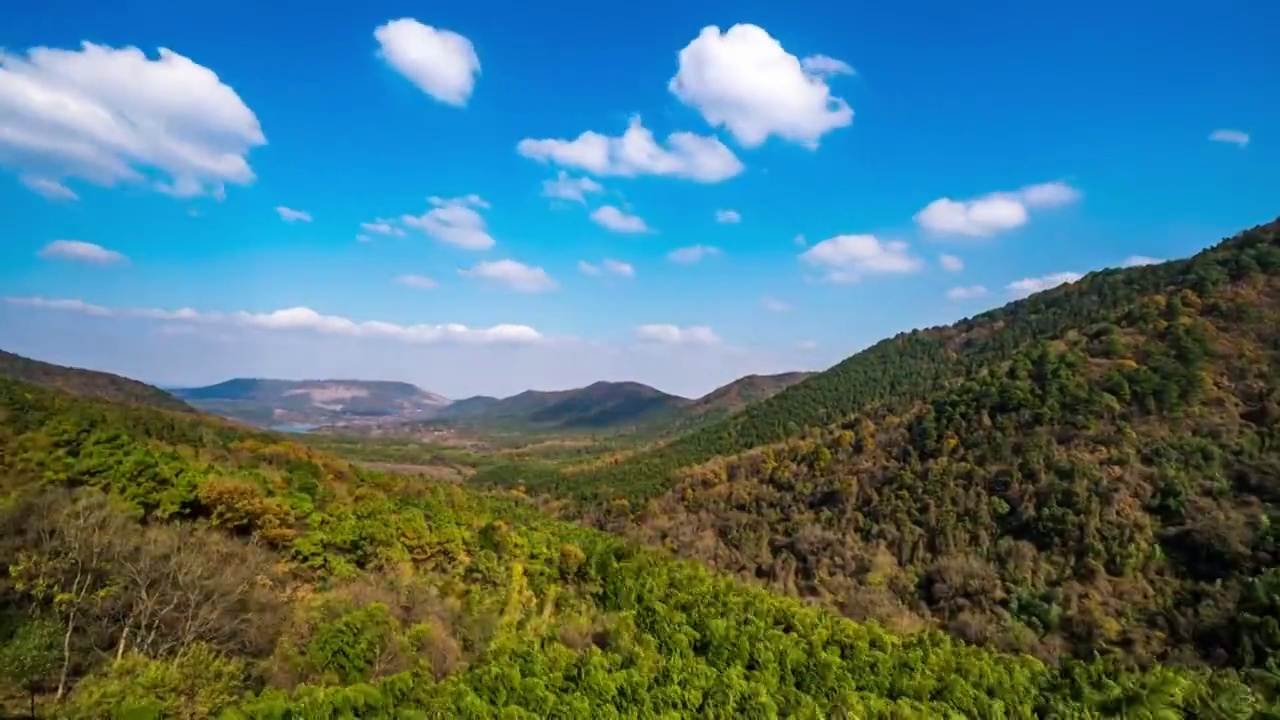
{"x":636,"y":152}
{"x":291,"y":215}
{"x":80,"y":251}
{"x":745,"y":81}
{"x":1238,"y":138}
{"x":1137,"y":260}
{"x":566,"y":187}
{"x":1029,"y":286}
{"x":692,"y":254}
{"x":967,"y":293}
{"x":610,"y":266}
{"x":51,"y":189}
{"x":775,"y":305}
{"x":823,"y":65}
{"x":676,"y":335}
{"x":383,"y":226}
{"x":728,"y":216}
{"x":454,"y":221}
{"x":993,"y":212}
{"x":418,"y":282}
{"x":442,"y":63}
{"x":515,"y":275}
{"x":950,"y":263}
{"x":610,"y":217}
{"x":111,"y":115}
{"x":303,"y":318}
{"x":847,"y":258}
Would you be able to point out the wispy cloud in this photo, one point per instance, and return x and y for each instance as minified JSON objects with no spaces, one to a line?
{"x":1238,"y":138}
{"x":80,"y":251}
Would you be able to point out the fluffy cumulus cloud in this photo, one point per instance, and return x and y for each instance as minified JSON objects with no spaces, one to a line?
{"x":774,"y":305}
{"x":637,"y":152}
{"x":442,"y":63}
{"x":728,"y":216}
{"x":994,"y":212}
{"x":80,"y":251}
{"x":113,"y":115}
{"x":514,"y":275}
{"x":291,"y":215}
{"x":566,"y":187}
{"x":454,"y":221}
{"x":676,"y":335}
{"x":1239,"y":138}
{"x":967,"y":292}
{"x":1029,"y":286}
{"x":619,"y":221}
{"x":848,"y":258}
{"x":417,"y":282}
{"x":950,"y":263}
{"x":1138,"y":260}
{"x":51,"y":189}
{"x":692,"y":254}
{"x":743,"y":80}
{"x":607,"y":267}
{"x":300,"y":319}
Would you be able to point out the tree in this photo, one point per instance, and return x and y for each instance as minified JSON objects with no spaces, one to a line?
{"x":29,"y":658}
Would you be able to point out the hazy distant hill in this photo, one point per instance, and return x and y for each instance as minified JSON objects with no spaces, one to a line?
{"x":728,"y":399}
{"x":314,"y":402}
{"x":601,"y":405}
{"x":87,"y":383}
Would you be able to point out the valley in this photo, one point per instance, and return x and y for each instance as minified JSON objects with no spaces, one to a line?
{"x":1064,"y":507}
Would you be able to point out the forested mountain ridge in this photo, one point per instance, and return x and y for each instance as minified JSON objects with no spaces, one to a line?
{"x":272,"y":581}
{"x":87,"y":383}
{"x":911,"y":366}
{"x":1096,"y":470}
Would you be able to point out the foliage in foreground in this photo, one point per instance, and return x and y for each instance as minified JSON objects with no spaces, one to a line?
{"x":198,"y":571}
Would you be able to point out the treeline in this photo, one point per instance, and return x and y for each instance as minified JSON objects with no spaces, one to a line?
{"x":162,"y":566}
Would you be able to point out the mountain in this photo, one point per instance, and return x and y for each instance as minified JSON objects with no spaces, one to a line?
{"x":161,"y":564}
{"x":616,"y":406}
{"x":87,"y":383}
{"x":733,"y":397}
{"x":599,"y":406}
{"x":1094,"y":469}
{"x":314,"y":402}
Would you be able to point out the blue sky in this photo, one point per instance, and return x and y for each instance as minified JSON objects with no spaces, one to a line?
{"x":1029,"y":141}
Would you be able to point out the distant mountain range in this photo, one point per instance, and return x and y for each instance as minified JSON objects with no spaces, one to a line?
{"x":313,"y":402}
{"x":614,"y":405}
{"x":307,"y":404}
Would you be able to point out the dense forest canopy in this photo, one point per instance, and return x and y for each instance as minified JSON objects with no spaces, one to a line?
{"x":164,"y":566}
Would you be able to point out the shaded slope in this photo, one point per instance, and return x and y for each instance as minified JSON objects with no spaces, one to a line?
{"x":377,"y":596}
{"x":87,"y":383}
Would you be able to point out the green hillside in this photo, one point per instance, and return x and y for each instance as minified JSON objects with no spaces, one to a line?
{"x":198,"y":570}
{"x":1095,"y":469}
{"x":87,"y":383}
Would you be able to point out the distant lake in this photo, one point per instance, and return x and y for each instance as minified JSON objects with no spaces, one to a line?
{"x":293,"y":428}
